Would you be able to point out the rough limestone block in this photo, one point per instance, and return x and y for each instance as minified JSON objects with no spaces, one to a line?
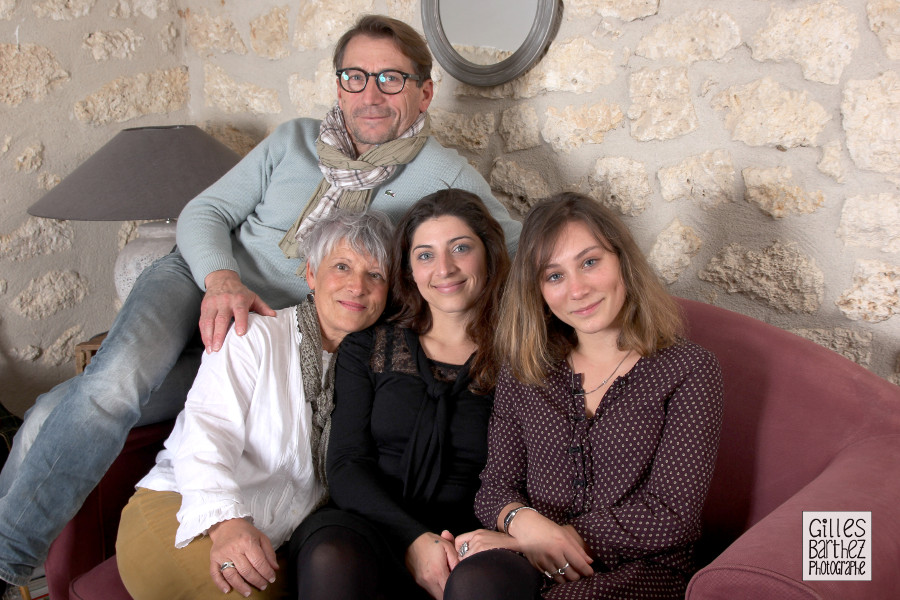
{"x":230,"y":96}
{"x":269,"y":33}
{"x":778,"y":275}
{"x":884,"y":20}
{"x":871,"y":119}
{"x":703,"y":35}
{"x":104,"y":45}
{"x":764,"y":113}
{"x":661,"y":107}
{"x":307,"y":95}
{"x":28,"y":70}
{"x":875,"y":295}
{"x":469,"y":131}
{"x":673,"y":250}
{"x":48,"y":181}
{"x":31,"y":159}
{"x":523,"y":186}
{"x":28,"y":354}
{"x":519,"y":128}
{"x":123,"y":9}
{"x":620,"y":183}
{"x":576,"y":126}
{"x":167,"y":36}
{"x":6,"y":9}
{"x":872,"y":222}
{"x":160,"y":92}
{"x":239,"y":141}
{"x":772,"y":190}
{"x":218,"y":33}
{"x":128,"y":231}
{"x":830,"y":163}
{"x":63,"y":349}
{"x":627,"y":10}
{"x":575,"y":66}
{"x":820,"y":37}
{"x":63,"y":10}
{"x":50,"y":293}
{"x":321,"y":23}
{"x":708,"y":179}
{"x":36,"y":237}
{"x":852,"y":344}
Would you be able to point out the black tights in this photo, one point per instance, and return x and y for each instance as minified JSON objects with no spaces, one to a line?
{"x":494,"y":575}
{"x":336,"y":563}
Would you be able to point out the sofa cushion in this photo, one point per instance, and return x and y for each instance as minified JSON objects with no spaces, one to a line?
{"x":100,"y":583}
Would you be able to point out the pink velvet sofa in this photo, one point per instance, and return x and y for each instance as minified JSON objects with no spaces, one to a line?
{"x":804,"y":430}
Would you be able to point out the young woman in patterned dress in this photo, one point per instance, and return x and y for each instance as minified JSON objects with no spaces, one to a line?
{"x":605,"y":424}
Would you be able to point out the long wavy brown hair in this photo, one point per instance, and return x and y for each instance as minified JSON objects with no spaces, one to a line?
{"x":411,"y":309}
{"x":530,"y":337}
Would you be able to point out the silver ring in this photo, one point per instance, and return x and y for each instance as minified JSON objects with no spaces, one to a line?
{"x":548,"y":574}
{"x":227,"y":565}
{"x":562,"y":570}
{"x":463,"y":549}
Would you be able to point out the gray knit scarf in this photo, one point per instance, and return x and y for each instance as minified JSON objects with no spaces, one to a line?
{"x":319,"y":391}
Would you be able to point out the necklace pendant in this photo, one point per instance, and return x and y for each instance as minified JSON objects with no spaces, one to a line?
{"x":578,"y":392}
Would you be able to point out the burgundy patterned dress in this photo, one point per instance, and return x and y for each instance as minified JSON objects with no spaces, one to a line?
{"x":631,"y":480}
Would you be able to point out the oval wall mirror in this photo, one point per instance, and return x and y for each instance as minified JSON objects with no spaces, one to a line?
{"x":489,"y":42}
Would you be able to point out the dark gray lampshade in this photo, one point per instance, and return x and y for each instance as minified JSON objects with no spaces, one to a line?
{"x":144,"y":173}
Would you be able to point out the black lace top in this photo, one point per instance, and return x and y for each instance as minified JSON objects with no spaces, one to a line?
{"x":408,"y":438}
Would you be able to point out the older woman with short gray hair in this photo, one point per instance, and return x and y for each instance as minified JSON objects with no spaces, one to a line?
{"x":244,"y":463}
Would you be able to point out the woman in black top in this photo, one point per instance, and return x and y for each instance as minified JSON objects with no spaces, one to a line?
{"x":412,"y":402}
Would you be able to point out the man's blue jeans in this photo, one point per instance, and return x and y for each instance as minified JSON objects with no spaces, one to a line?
{"x":75,"y":431}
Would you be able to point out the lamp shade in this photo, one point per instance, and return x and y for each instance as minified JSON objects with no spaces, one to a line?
{"x":144,"y":173}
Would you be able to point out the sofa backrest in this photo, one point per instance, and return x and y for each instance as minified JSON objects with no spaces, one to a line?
{"x":790,"y":406}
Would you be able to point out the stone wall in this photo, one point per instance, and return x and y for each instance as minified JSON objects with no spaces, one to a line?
{"x":753,"y":147}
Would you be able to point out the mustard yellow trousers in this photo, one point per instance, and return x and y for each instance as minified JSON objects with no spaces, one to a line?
{"x":152,"y":568}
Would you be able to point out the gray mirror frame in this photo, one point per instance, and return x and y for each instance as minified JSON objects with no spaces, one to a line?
{"x":543,"y":30}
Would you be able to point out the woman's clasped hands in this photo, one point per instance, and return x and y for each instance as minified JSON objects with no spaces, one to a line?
{"x":557,"y":551}
{"x":430,"y":558}
{"x":240,"y":555}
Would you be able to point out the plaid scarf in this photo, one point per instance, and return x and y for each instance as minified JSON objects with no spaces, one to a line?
{"x":348,"y":181}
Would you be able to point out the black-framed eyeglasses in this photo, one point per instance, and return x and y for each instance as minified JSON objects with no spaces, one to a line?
{"x":389,"y":81}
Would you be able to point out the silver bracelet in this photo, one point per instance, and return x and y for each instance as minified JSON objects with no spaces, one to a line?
{"x":511,"y":515}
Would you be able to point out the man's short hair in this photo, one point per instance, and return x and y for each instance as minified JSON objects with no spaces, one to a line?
{"x":407,"y":40}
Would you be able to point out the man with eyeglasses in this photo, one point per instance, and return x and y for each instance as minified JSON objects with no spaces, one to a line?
{"x":236,"y":253}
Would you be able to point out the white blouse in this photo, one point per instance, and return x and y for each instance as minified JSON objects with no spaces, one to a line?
{"x":241,"y":446}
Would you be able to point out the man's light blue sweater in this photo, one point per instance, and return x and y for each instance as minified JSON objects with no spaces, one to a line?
{"x":238,"y":221}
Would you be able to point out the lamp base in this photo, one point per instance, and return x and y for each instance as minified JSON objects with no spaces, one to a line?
{"x":154,"y":240}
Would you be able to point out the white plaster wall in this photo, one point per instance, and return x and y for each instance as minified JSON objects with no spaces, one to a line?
{"x":752,"y":147}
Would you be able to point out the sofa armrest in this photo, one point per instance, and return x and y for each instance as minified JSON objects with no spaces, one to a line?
{"x":90,"y":537}
{"x":766,"y":561}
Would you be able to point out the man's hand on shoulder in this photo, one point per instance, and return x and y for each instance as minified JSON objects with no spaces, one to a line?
{"x":226,"y":298}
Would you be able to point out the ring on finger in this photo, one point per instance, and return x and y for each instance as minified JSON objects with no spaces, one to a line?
{"x":227,"y":565}
{"x":463,"y":549}
{"x":562,"y":569}
{"x":548,"y":574}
